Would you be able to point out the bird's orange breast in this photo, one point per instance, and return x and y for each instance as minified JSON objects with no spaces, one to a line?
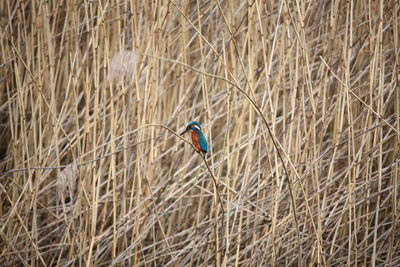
{"x":195,"y":140}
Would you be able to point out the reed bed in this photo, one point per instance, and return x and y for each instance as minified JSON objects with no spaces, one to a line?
{"x":299,"y":101}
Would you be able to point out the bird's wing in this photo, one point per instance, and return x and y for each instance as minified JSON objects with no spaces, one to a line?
{"x":203,"y":142}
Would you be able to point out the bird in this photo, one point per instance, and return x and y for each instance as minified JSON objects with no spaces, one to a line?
{"x":198,"y":138}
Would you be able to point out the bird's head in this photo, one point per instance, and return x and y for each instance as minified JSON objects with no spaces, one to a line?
{"x":192,"y":126}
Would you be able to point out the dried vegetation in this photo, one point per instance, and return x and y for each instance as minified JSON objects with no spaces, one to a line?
{"x":299,"y":100}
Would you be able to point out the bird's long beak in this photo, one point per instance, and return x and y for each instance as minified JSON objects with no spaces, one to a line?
{"x":182,"y":133}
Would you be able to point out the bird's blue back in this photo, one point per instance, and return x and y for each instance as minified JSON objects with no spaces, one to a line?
{"x":202,"y":141}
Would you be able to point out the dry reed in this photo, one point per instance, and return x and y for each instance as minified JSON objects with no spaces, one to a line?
{"x":299,"y":100}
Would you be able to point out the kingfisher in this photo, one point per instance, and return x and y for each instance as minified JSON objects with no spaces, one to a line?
{"x":198,"y":138}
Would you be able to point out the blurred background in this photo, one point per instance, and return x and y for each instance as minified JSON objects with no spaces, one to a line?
{"x":299,"y":101}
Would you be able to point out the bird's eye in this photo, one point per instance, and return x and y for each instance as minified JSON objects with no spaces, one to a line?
{"x":188,"y":127}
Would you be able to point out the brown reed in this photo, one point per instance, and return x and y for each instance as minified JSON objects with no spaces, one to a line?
{"x":299,"y":100}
